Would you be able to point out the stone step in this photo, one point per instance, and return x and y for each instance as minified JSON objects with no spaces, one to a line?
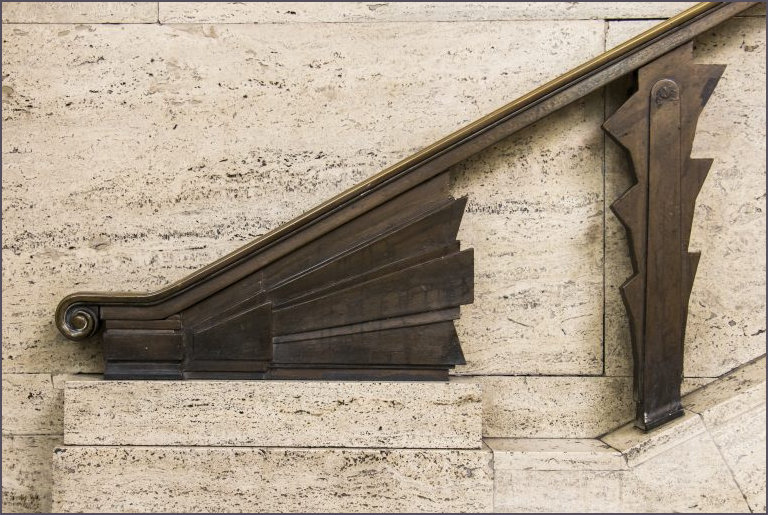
{"x":404,"y":415}
{"x":204,"y":458}
{"x":712,"y":459}
{"x":556,"y":475}
{"x":247,"y":479}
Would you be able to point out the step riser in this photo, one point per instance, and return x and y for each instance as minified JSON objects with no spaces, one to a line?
{"x":205,"y":479}
{"x":274,"y":414}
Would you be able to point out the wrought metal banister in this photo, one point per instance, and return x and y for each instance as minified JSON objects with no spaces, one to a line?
{"x":394,"y":230}
{"x":76,"y":323}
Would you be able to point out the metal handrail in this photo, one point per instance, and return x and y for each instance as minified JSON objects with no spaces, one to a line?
{"x":76,"y":321}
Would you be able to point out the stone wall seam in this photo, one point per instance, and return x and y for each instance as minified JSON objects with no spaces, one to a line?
{"x":725,"y":462}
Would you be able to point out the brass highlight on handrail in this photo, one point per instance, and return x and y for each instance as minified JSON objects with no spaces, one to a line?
{"x":73,"y":321}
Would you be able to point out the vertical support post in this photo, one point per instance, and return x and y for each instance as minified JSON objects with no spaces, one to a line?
{"x":657,"y":126}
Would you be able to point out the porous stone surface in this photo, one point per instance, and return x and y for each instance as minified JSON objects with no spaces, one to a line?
{"x":274,"y":414}
{"x":735,"y":393}
{"x":687,"y":477}
{"x":733,"y":410}
{"x":726,"y":322}
{"x":534,"y":218}
{"x":32,"y":426}
{"x":556,"y":475}
{"x":638,"y":445}
{"x":80,"y":12}
{"x":27,"y":473}
{"x":741,"y":441}
{"x":557,"y":491}
{"x":709,"y":461}
{"x":554,"y":454}
{"x":216,"y":479}
{"x":554,"y":407}
{"x":136,"y":154}
{"x":31,"y":405}
{"x":308,"y":12}
{"x":559,"y":407}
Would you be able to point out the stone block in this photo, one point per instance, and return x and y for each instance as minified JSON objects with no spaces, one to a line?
{"x":638,"y":446}
{"x":274,"y":414}
{"x":555,"y":475}
{"x":554,"y":454}
{"x":687,"y":477}
{"x":221,"y":479}
{"x":741,"y":441}
{"x":738,"y":392}
{"x":711,"y":459}
{"x":339,"y":12}
{"x":554,"y":407}
{"x":558,"y":491}
{"x":726,"y":323}
{"x":31,"y":405}
{"x":27,"y":473}
{"x":733,"y":410}
{"x":80,"y":12}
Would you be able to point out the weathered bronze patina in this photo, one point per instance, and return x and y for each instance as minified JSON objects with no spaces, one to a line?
{"x":367,"y":284}
{"x":656,"y":126}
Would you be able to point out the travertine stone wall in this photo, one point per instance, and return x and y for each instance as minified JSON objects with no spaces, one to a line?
{"x":540,"y":190}
{"x":141,"y":141}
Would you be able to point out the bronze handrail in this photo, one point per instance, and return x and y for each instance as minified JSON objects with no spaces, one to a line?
{"x":76,"y":321}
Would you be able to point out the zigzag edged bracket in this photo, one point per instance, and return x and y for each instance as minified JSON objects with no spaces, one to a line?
{"x":657,"y":126}
{"x":370,"y":292}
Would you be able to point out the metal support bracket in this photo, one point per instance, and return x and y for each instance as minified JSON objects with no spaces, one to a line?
{"x":657,"y":127}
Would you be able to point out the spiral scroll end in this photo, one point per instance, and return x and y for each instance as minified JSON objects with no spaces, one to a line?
{"x":78,"y":322}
